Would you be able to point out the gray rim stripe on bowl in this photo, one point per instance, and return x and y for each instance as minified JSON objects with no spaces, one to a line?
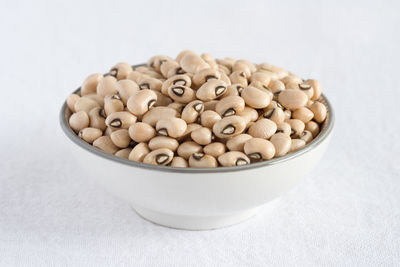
{"x":325,"y":131}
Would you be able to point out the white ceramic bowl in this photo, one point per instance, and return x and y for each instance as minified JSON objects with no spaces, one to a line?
{"x":195,"y":198}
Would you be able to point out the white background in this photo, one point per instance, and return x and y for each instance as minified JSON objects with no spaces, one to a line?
{"x":346,"y":213}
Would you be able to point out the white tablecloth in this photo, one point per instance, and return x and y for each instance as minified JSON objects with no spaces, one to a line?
{"x":346,"y":213}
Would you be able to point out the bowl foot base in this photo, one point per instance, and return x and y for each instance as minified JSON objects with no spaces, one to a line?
{"x":194,"y":222}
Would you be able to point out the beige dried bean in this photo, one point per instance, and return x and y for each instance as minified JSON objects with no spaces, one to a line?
{"x":150,"y":83}
{"x":181,"y":80}
{"x":291,"y":78}
{"x":292,"y":99}
{"x":177,"y":106}
{"x":179,"y":162}
{"x":297,"y":144}
{"x":234,"y":89}
{"x":276,"y":86}
{"x":97,"y":118}
{"x":104,"y":143}
{"x":210,"y":105}
{"x":303,"y":114}
{"x":123,"y":153}
{"x":224,"y":69}
{"x":225,"y":78}
{"x":229,"y":126}
{"x":306,"y":136}
{"x":204,"y":75}
{"x":181,"y":94}
{"x":262,"y":77}
{"x":255,"y":97}
{"x":90,"y":134}
{"x":126,"y":88}
{"x":227,"y":62}
{"x":162,"y":156}
{"x":162,"y":100}
{"x":158,"y":142}
{"x":307,"y":89}
{"x":297,"y":127}
{"x":282,"y":144}
{"x":139,"y":152}
{"x":315,"y":84}
{"x":284,"y":127}
{"x":140,"y":102}
{"x":170,"y":68}
{"x":96,"y":97}
{"x":211,"y":90}
{"x":120,"y":120}
{"x":233,"y":158}
{"x":209,"y":59}
{"x":113,"y":103}
{"x":281,"y":72}
{"x":288,"y":114}
{"x":202,"y":136}
{"x":208,"y":118}
{"x":319,"y":111}
{"x":191,"y":62}
{"x":71,"y":100}
{"x":259,"y":149}
{"x":239,"y":77}
{"x":248,"y":114}
{"x":215,"y":149}
{"x":173,"y":127}
{"x":230,"y":105}
{"x":192,"y":111}
{"x":156,"y":62}
{"x":201,"y":160}
{"x":237,"y":143}
{"x":120,"y":70}
{"x":263,"y":128}
{"x":243,"y":65}
{"x":108,"y":131}
{"x":141,"y":132}
{"x":276,"y":115}
{"x":186,"y":149}
{"x":79,"y":121}
{"x":89,"y":85}
{"x":313,"y":127}
{"x":107,"y":86}
{"x":120,"y":138}
{"x":158,"y":113}
{"x":85,"y":104}
{"x":137,"y":76}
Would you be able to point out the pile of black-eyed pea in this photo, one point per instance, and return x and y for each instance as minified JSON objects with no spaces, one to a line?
{"x":197,"y":111}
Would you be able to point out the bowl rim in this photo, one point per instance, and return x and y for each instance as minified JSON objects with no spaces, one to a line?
{"x":323,"y":134}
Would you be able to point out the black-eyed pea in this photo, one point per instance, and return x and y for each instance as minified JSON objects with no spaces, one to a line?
{"x":307,"y":89}
{"x":276,"y":114}
{"x":121,"y":138}
{"x":288,"y":114}
{"x":120,"y":70}
{"x":292,"y":85}
{"x":292,"y":99}
{"x":262,"y":77}
{"x":158,"y":113}
{"x":141,"y":132}
{"x":291,"y":78}
{"x":181,"y":94}
{"x":313,"y":127}
{"x":123,"y":153}
{"x":177,"y":106}
{"x":209,"y":59}
{"x":215,"y":149}
{"x":150,"y":83}
{"x":173,"y":127}
{"x":211,"y":90}
{"x":186,"y":149}
{"x":89,"y":85}
{"x":189,"y":129}
{"x":108,"y":131}
{"x":90,"y":134}
{"x":97,"y":118}
{"x":179,"y":162}
{"x":297,"y":127}
{"x":192,"y":111}
{"x":137,"y":76}
{"x":139,"y":152}
{"x":239,"y":77}
{"x":255,"y":97}
{"x":170,"y":68}
{"x":158,"y":142}
{"x":202,"y":136}
{"x":180,"y":80}
{"x":107,"y":86}
{"x":229,"y":106}
{"x":276,"y":86}
{"x":282,"y":144}
{"x":306,"y":136}
{"x":210,"y":105}
{"x":225,"y":78}
{"x":201,"y":160}
{"x":280,"y":72}
{"x":263,"y":128}
{"x":303,"y":114}
{"x":248,"y":114}
{"x":156,"y":62}
{"x":113,"y":103}
{"x":104,"y":143}
{"x":99,"y":99}
{"x":208,"y":118}
{"x":191,"y":62}
{"x":71,"y":100}
{"x":319,"y":111}
{"x":162,"y":156}
{"x":85,"y":104}
{"x":141,"y":102}
{"x":233,"y":158}
{"x":224,"y":69}
{"x":259,"y":149}
{"x":162,"y":100}
{"x":237,"y":143}
{"x":244,"y":65}
{"x":227,"y":62}
{"x":229,"y":126}
{"x":284,"y":128}
{"x":120,"y":120}
{"x":297,"y":144}
{"x":204,"y":75}
{"x":126,"y":88}
{"x":234,"y":89}
{"x":315,"y":84}
{"x":79,"y":121}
